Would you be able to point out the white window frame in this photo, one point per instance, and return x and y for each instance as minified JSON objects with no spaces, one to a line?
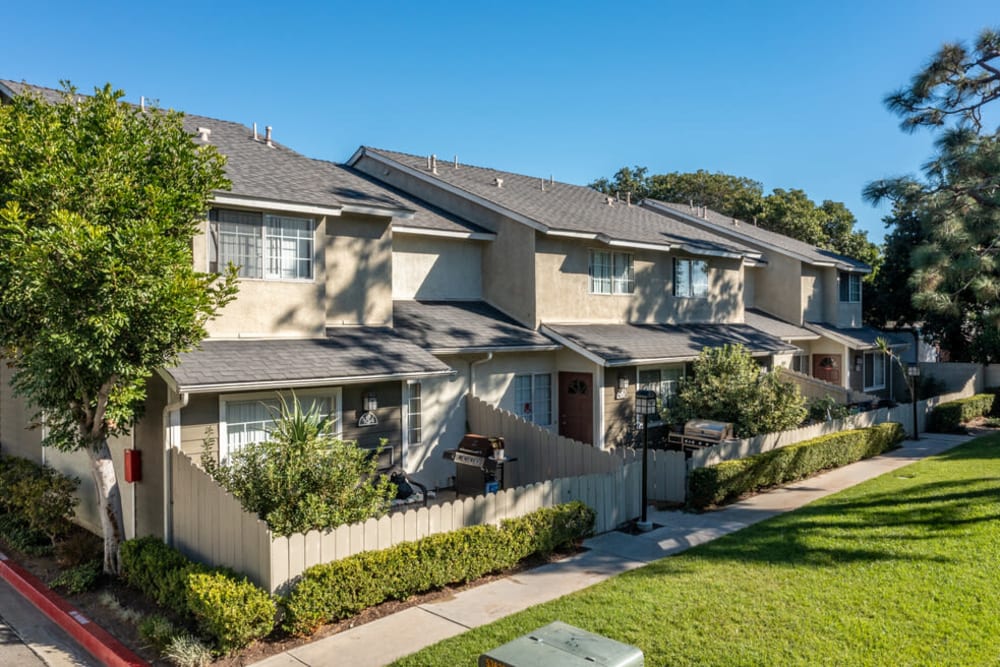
{"x":414,"y":392}
{"x":335,"y":394}
{"x":658,"y":388}
{"x":853,"y":287}
{"x":691,"y":290}
{"x":267,"y":241}
{"x":804,"y":364}
{"x":613,"y":274}
{"x":533,"y":399}
{"x":870,"y":358}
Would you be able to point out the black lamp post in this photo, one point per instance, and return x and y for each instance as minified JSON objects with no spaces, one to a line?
{"x":645,"y":405}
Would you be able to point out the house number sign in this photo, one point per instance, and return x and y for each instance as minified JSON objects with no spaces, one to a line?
{"x":368,"y":419}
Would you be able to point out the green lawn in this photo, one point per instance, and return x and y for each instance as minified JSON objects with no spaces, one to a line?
{"x":901,"y":570}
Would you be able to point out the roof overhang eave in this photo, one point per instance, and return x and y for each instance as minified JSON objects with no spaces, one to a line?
{"x":267,"y":385}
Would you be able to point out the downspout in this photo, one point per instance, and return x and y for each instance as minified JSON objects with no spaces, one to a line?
{"x":472,"y":385}
{"x":472,"y":372}
{"x":168,"y":481}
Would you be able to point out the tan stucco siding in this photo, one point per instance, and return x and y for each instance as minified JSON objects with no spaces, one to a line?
{"x":509,"y":272}
{"x":778,"y":289}
{"x":358,"y":271}
{"x":443,"y":423}
{"x":619,"y":413}
{"x":563,"y":288}
{"x":200,"y":422}
{"x":436,"y":268}
{"x":17,"y":437}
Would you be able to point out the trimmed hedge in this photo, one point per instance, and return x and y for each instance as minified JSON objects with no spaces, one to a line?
{"x":225,"y":606}
{"x":337,"y":590}
{"x":725,"y":481}
{"x":949,"y":417}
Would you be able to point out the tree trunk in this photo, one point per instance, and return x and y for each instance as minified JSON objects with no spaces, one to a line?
{"x":110,"y":503}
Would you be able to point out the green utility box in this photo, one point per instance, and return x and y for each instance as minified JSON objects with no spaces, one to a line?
{"x":561,"y":645}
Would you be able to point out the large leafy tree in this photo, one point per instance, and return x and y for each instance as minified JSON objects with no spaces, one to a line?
{"x":829,"y":225}
{"x":99,"y":202}
{"x":952,"y":214}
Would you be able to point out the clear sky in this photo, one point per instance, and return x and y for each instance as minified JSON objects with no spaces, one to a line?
{"x":787,"y":93}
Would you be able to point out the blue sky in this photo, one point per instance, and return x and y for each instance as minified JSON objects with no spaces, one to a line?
{"x":787,"y":93}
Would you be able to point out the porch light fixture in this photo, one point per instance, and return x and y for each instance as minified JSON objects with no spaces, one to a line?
{"x":645,"y":405}
{"x":370,"y":402}
{"x":623,"y":382}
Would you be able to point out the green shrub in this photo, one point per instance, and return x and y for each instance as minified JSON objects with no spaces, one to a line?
{"x":949,"y":417}
{"x":16,"y":532}
{"x":225,"y":606}
{"x":42,"y":496}
{"x":303,"y":478}
{"x":79,"y":578}
{"x":157,"y":631}
{"x":234,"y":612}
{"x":729,"y":385}
{"x":340,"y":589}
{"x":184,"y":650}
{"x":725,"y":481}
{"x":826,"y":409}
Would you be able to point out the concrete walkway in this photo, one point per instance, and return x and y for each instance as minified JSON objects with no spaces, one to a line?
{"x":382,"y":641}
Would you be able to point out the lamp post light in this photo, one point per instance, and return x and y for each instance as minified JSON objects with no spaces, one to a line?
{"x":645,"y":405}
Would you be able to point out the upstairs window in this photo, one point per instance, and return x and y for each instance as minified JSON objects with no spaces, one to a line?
{"x":263,"y":246}
{"x":850,"y":287}
{"x":690,"y":278}
{"x":611,"y":272}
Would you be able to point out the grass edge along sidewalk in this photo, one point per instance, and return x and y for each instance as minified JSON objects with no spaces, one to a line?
{"x":896,"y":570}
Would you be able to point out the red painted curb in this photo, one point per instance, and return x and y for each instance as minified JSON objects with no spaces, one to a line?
{"x":88,"y":634}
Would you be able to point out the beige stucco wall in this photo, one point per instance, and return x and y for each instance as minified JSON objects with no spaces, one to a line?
{"x":436,"y":268}
{"x":17,"y":437}
{"x":563,"y":288}
{"x":508,"y":280}
{"x":351,"y":284}
{"x":443,"y":421}
{"x":358,"y":269}
{"x":777,"y":288}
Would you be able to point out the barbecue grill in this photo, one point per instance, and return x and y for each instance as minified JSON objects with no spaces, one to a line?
{"x":479,"y":464}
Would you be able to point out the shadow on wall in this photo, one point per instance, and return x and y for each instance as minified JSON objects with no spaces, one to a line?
{"x":654,"y":301}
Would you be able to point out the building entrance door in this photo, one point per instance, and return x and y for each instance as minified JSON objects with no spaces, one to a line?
{"x":827,"y":367}
{"x":576,"y":406}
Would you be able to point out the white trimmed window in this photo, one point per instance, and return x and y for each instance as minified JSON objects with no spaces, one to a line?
{"x":414,"y":422}
{"x":611,"y":272}
{"x":875,"y":370}
{"x":690,"y":278}
{"x":247,"y":418}
{"x":533,"y":398}
{"x":271,"y":247}
{"x":850,"y":287}
{"x":664,"y":381}
{"x":800,"y":363}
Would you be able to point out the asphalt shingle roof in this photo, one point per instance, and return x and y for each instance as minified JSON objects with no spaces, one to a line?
{"x":345,"y":355}
{"x":859,"y":338}
{"x":463,"y":326}
{"x":627,"y":344}
{"x":280,"y":174}
{"x":565,"y":207}
{"x":723,"y":225}
{"x":777,"y":327}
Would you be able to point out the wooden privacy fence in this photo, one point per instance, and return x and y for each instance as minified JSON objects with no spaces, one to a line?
{"x":902,"y":413}
{"x":541,"y":454}
{"x":210,"y":526}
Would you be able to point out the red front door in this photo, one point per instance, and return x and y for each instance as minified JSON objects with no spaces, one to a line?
{"x":576,"y":406}
{"x":827,"y":367}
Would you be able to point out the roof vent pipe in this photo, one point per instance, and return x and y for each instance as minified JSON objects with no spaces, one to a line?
{"x":255,"y":137}
{"x":203,"y":133}
{"x":541,"y":184}
{"x":142,"y":103}
{"x":456,"y":162}
{"x":611,"y":200}
{"x":267,"y":135}
{"x":428,"y":163}
{"x":736,"y":223}
{"x":552,"y":180}
{"x":498,"y":182}
{"x":628,"y":198}
{"x":434,"y":163}
{"x":691,"y":204}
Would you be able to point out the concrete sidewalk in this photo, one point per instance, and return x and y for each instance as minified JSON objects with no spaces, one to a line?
{"x":382,"y":641}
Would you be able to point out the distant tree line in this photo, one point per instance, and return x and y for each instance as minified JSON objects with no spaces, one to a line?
{"x":829,"y":225}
